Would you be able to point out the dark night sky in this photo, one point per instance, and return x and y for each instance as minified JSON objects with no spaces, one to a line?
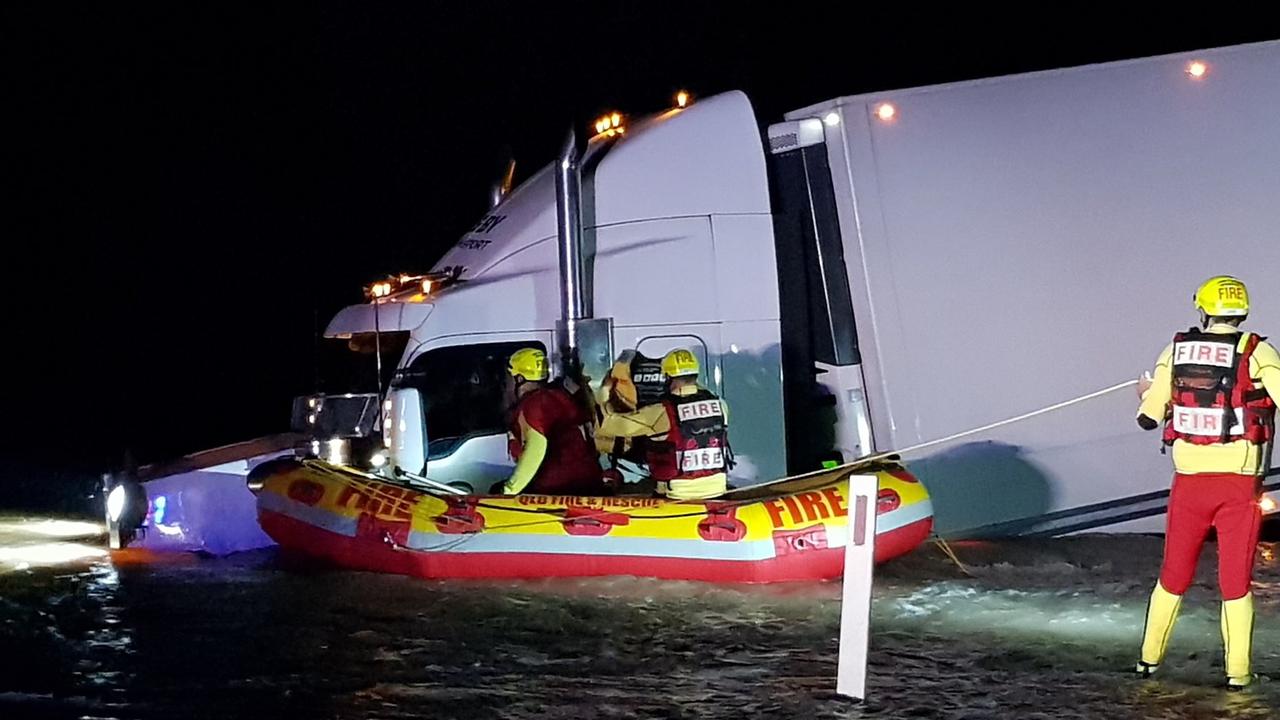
{"x":190,"y":184}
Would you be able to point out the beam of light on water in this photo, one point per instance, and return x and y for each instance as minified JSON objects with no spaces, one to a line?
{"x":48,"y":553}
{"x":53,"y":528}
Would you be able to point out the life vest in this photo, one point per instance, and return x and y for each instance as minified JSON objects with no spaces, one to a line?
{"x":1214,"y":399}
{"x":649,"y":380}
{"x":698,"y":442}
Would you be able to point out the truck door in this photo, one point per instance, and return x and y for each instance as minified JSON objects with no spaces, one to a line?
{"x":464,"y":404}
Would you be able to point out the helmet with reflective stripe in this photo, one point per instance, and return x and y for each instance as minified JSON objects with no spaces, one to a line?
{"x":530,"y":364}
{"x":1223,"y":296}
{"x":679,"y":363}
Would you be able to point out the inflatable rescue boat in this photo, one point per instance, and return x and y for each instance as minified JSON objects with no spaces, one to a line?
{"x":790,"y":530}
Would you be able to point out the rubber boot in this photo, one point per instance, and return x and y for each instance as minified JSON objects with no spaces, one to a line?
{"x":1237,"y":640}
{"x":1162,"y":611}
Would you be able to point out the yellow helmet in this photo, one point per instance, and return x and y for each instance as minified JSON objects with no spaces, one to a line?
{"x":679,"y":363}
{"x":1222,"y":296}
{"x":530,"y":364}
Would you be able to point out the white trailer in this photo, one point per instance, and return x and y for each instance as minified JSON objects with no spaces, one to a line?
{"x":1017,"y":242}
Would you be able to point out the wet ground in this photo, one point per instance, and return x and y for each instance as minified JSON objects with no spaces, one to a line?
{"x":1039,"y":629}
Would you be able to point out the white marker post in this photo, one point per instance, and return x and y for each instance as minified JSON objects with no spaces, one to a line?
{"x":855,"y":601}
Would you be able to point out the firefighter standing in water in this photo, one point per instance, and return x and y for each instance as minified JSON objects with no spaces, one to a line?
{"x":683,"y":438}
{"x":1216,"y":390}
{"x":549,"y":434}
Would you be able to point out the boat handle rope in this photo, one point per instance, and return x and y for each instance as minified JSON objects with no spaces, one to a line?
{"x":534,"y":511}
{"x":591,"y":516}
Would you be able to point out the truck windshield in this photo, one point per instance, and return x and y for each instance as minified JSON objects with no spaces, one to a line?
{"x":350,"y":365}
{"x":464,"y":391}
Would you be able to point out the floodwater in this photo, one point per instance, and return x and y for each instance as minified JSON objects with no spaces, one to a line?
{"x":1034,"y":629}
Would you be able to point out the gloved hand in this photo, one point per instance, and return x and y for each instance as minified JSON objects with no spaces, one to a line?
{"x":1144,"y":384}
{"x":1147,"y":423}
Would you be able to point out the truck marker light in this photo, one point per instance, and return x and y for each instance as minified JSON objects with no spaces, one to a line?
{"x":886,"y":112}
{"x":1267,"y":504}
{"x":1197,"y":69}
{"x":682,"y":99}
{"x":832,"y":119}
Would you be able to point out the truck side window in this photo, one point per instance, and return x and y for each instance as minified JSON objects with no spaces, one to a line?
{"x":656,"y":346}
{"x":462,"y":390}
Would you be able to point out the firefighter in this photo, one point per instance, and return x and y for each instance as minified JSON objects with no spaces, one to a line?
{"x":629,"y":413}
{"x":549,"y":433}
{"x":693,"y":460}
{"x":681,"y":434}
{"x":1215,"y":388}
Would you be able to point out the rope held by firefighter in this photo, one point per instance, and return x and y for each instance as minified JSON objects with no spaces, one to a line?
{"x":864,"y":462}
{"x":1002,"y":423}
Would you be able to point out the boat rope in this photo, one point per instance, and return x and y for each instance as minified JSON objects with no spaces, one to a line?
{"x":377,"y":493}
{"x":946,"y":550}
{"x":590,"y":516}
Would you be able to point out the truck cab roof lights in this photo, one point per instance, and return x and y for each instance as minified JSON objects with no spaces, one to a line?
{"x":611,"y":124}
{"x":682,"y":99}
{"x":420,"y":285}
{"x":1197,"y":69}
{"x":831,"y":119}
{"x":886,"y":112}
